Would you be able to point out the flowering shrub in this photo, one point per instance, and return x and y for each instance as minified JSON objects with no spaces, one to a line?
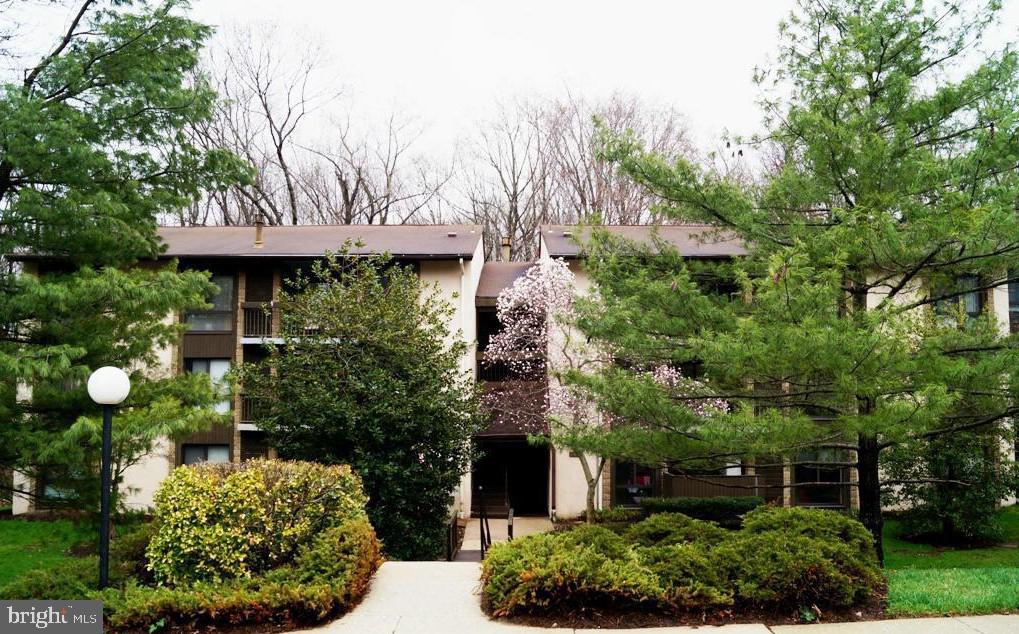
{"x":217,"y":522}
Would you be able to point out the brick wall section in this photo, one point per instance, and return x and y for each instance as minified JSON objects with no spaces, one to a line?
{"x":235,"y":446}
{"x":606,"y":485}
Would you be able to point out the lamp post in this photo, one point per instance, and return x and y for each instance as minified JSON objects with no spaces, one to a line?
{"x":107,"y":386}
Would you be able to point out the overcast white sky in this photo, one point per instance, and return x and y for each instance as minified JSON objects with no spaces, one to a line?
{"x":446,"y":63}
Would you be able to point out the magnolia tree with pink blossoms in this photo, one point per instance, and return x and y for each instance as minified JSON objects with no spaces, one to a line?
{"x":539,"y":347}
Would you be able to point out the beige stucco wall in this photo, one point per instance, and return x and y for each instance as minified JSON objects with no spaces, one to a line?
{"x":457,"y":281}
{"x":570,"y":482}
{"x":143,"y":479}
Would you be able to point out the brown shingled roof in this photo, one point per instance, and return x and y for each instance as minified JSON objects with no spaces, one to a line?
{"x":497,"y":276}
{"x":692,"y":241}
{"x":412,"y":241}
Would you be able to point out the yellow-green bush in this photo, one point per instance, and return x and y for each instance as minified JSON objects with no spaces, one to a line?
{"x":219,"y":522}
{"x":329,"y":575}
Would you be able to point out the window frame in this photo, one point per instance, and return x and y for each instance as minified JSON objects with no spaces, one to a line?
{"x":227,"y":313}
{"x":1013,"y":301}
{"x":223,"y":406}
{"x":205,"y":446}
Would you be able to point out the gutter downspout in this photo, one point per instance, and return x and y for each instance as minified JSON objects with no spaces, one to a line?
{"x":463,"y":313}
{"x":463,"y":498}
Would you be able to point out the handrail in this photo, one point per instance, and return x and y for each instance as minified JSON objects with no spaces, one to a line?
{"x":486,"y":531}
{"x":452,"y":533}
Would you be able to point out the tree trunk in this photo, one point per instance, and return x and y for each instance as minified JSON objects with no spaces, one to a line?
{"x":870,"y":491}
{"x":592,"y":487}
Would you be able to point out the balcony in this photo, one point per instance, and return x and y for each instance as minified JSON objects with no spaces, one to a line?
{"x":249,"y":413}
{"x":259,"y":319}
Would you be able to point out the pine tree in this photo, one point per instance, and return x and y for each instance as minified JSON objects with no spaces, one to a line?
{"x":891,"y":214}
{"x":93,"y":151}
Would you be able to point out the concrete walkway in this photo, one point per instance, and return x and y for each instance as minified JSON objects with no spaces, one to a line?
{"x":424,"y":597}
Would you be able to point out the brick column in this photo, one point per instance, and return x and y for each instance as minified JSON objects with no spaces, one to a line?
{"x":238,"y":359}
{"x":606,"y":485}
{"x":787,"y":479}
{"x":277,"y":282}
{"x":854,"y":476}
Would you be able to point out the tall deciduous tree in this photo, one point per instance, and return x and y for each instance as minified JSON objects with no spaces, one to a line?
{"x":92,"y":151}
{"x":892,"y":216}
{"x":368,"y":375}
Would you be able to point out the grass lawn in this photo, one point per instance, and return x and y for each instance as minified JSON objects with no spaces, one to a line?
{"x":928,"y":580}
{"x":25,"y":545}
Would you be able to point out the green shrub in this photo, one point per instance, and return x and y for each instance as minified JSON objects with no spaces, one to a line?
{"x":330,"y":574}
{"x":549,"y":573}
{"x":785,"y":558}
{"x":778,"y":568}
{"x":601,"y":539}
{"x":673,"y":528}
{"x":348,"y":553}
{"x":70,"y":579}
{"x":219,"y":522}
{"x":688,"y":573}
{"x":618,"y":515}
{"x":127,"y":552}
{"x":817,"y":523}
{"x":953,"y":485}
{"x":234,"y":602}
{"x":726,"y":511}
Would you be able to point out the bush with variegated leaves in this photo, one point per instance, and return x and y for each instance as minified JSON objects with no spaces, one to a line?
{"x":218,"y":522}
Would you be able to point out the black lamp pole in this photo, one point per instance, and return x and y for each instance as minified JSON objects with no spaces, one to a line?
{"x":104,"y":506}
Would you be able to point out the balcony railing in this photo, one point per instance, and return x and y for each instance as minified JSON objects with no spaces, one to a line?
{"x":248,"y":409}
{"x":259,"y":319}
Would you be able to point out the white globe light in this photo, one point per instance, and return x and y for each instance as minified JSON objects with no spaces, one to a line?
{"x":108,"y":385}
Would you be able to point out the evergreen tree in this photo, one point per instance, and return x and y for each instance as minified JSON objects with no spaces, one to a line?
{"x":890,"y":217}
{"x":93,"y":150}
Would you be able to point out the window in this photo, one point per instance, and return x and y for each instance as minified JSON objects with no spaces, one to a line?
{"x":822,"y":495}
{"x":631,"y":482}
{"x":1013,"y":301}
{"x":194,"y":454}
{"x":219,"y":318}
{"x":972,"y":300}
{"x":216,"y":369}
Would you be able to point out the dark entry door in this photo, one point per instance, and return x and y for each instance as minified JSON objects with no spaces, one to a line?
{"x":511,"y":474}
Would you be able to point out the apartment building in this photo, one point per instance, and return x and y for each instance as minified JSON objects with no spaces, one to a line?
{"x":249,"y":265}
